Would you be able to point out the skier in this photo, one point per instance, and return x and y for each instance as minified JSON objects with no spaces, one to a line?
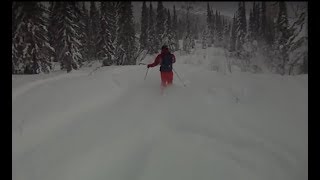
{"x":165,"y":59}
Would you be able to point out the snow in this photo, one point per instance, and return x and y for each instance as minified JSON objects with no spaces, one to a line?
{"x":114,"y":124}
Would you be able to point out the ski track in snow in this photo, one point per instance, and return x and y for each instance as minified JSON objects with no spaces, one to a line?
{"x":21,"y":90}
{"x":118,"y":126}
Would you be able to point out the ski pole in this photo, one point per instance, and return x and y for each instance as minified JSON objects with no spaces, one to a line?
{"x":179,"y":77}
{"x":146,"y":74}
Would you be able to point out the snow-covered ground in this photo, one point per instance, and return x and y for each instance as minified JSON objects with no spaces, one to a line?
{"x":114,"y":124}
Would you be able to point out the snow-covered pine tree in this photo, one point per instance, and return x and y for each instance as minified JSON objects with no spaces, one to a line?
{"x":298,"y":41}
{"x":213,"y":30}
{"x":270,"y":32}
{"x":283,"y":36}
{"x":144,"y":27}
{"x":31,"y":36}
{"x":105,"y":43}
{"x":226,"y":34}
{"x":152,"y":31}
{"x":263,"y":22}
{"x":84,"y":36}
{"x":126,"y":36}
{"x":187,"y":41}
{"x":112,"y":18}
{"x":169,"y":31}
{"x":241,"y":26}
{"x":196,"y":29}
{"x":219,"y":29}
{"x":251,"y":25}
{"x":216,"y":28}
{"x":175,"y":29}
{"x":67,"y":33}
{"x":165,"y":39}
{"x":160,"y":25}
{"x":233,"y":36}
{"x":210,"y":23}
{"x":255,"y":21}
{"x":94,"y":30}
{"x":80,"y":30}
{"x":55,"y":19}
{"x":182,"y":27}
{"x":204,"y":38}
{"x":17,"y":38}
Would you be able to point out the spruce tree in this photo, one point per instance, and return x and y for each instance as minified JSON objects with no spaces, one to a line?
{"x":251,"y":26}
{"x":106,"y":48}
{"x":17,"y":38}
{"x":284,"y":35}
{"x":175,"y":29}
{"x":126,"y":35}
{"x":94,"y":30}
{"x":152,"y":32}
{"x":69,"y":44}
{"x":84,"y":37}
{"x":241,"y":25}
{"x":226,"y":34}
{"x":55,"y":20}
{"x":263,"y":22}
{"x":169,"y":31}
{"x":233,"y":37}
{"x":255,"y":21}
{"x":219,"y":27}
{"x":160,"y":25}
{"x":144,"y":27}
{"x":210,"y":22}
{"x":30,"y":40}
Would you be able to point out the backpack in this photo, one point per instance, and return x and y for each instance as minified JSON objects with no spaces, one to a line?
{"x":166,"y":63}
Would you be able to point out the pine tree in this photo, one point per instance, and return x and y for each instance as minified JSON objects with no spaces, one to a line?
{"x":255,"y":21}
{"x":241,"y":26}
{"x":298,"y":41}
{"x":226,"y":34}
{"x":17,"y":38}
{"x":219,"y":29}
{"x":213,"y":30}
{"x":263,"y":22}
{"x":169,"y":31}
{"x":84,"y":37}
{"x":126,"y":34}
{"x":55,"y":19}
{"x":93,"y":30}
{"x":106,"y":47}
{"x":251,"y":25}
{"x":175,"y":29}
{"x":144,"y":27}
{"x":210,"y":22}
{"x":68,"y":30}
{"x":181,"y":28}
{"x":30,"y":40}
{"x":284,"y":35}
{"x":233,"y":37}
{"x":160,"y":25}
{"x":188,"y":39}
{"x":80,"y":30}
{"x":204,"y":35}
{"x":152,"y":32}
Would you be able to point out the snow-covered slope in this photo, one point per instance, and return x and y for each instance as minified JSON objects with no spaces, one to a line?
{"x":114,"y":124}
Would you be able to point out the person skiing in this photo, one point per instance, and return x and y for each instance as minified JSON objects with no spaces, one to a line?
{"x":165,"y":59}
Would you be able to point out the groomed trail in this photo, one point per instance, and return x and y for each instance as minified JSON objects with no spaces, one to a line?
{"x":115,"y":125}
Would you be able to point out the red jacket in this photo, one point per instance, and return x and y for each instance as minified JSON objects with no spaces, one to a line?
{"x":159,"y":58}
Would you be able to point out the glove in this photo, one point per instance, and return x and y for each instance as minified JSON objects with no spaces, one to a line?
{"x":148,"y":66}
